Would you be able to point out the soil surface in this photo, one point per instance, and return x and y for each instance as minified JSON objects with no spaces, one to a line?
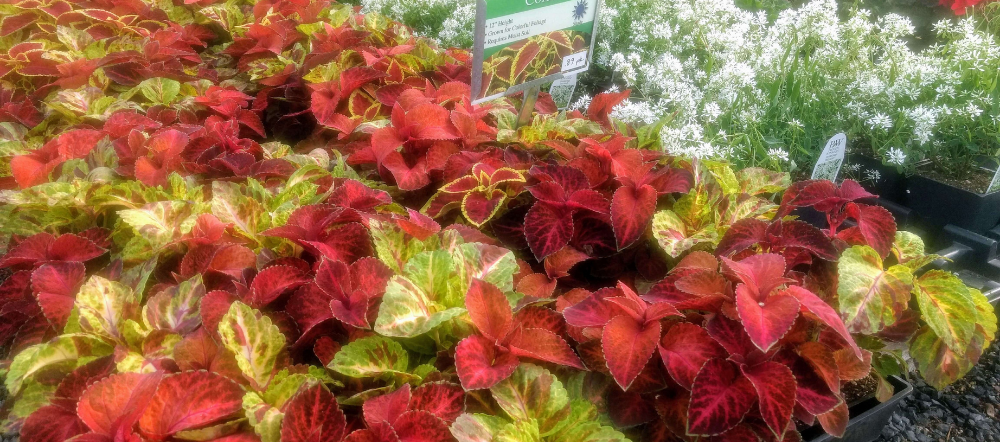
{"x":977,"y":181}
{"x":966,"y":411}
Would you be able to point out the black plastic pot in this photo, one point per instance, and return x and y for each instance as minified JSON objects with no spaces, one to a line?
{"x":944,"y":204}
{"x":867,"y":417}
{"x":890,"y":186}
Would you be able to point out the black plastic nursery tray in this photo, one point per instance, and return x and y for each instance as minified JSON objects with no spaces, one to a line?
{"x":867,"y":417}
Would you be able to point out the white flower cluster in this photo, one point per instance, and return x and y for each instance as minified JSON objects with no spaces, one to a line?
{"x":799,"y":78}
{"x":450,"y":22}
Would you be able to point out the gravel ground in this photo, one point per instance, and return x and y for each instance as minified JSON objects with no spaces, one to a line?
{"x":966,"y":411}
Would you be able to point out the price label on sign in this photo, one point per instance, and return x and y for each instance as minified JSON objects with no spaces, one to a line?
{"x":574,"y":61}
{"x":832,"y":158}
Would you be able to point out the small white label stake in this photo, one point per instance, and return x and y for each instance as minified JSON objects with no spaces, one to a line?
{"x":832,"y":158}
{"x":995,"y":184}
{"x":562,"y":91}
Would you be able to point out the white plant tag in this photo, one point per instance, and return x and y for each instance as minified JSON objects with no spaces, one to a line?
{"x":995,"y":184}
{"x":832,"y":158}
{"x":562,"y":91}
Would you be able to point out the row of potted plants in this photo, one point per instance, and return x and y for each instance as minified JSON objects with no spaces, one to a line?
{"x":284,"y":220}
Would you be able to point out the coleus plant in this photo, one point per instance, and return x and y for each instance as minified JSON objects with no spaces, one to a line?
{"x":735,"y":335}
{"x":284,"y":220}
{"x":718,"y":199}
{"x":945,"y":334}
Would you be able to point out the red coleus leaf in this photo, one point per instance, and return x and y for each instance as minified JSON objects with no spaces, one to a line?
{"x":55,"y":286}
{"x":731,"y":335}
{"x":720,"y":397}
{"x":821,"y":359}
{"x":548,"y":229}
{"x":877,"y":226}
{"x":826,"y":314}
{"x":189,"y":400}
{"x":59,"y":422}
{"x":111,"y":407}
{"x":442,"y":399}
{"x":34,"y":168}
{"x":309,"y":306}
{"x":121,"y":123}
{"x":77,"y":143}
{"x":350,"y":291}
{"x":628,"y":409}
{"x":352,"y":194}
{"x":480,"y":364}
{"x":761,"y":273}
{"x":776,"y":237}
{"x":399,"y":417}
{"x":631,"y":211}
{"x":387,"y":407}
{"x":543,"y":345}
{"x":593,"y":310}
{"x":835,"y":421}
{"x":685,"y":348}
{"x":166,"y":148}
{"x":602,"y":104}
{"x":421,"y":426}
{"x":628,"y":344}
{"x":272,"y":282}
{"x":43,"y":247}
{"x":775,"y":387}
{"x":326,"y":231}
{"x":813,"y":393}
{"x":51,"y":423}
{"x":418,"y":225}
{"x":228,"y":259}
{"x":313,"y":416}
{"x":491,"y":313}
{"x":766,"y":320}
{"x":489,"y":309}
{"x":557,"y":265}
{"x":561,"y":192}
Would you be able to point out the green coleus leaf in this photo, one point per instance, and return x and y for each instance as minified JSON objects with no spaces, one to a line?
{"x":177,"y":308}
{"x":425,"y":296}
{"x":265,"y":419}
{"x":986,"y":316}
{"x":755,"y":181}
{"x":371,"y":357}
{"x":160,"y":90}
{"x":32,"y":396}
{"x":492,"y":264}
{"x":258,"y":344}
{"x":231,"y":204}
{"x":475,"y":427}
{"x":674,"y":236}
{"x":104,"y":306}
{"x":519,"y":431}
{"x":947,"y":307}
{"x":533,"y":393}
{"x":395,"y":248}
{"x":588,"y":432}
{"x":908,"y":248}
{"x":871,"y":298}
{"x":58,"y":356}
{"x":159,"y":223}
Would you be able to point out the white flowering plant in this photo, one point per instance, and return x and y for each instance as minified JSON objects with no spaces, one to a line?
{"x":760,"y":83}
